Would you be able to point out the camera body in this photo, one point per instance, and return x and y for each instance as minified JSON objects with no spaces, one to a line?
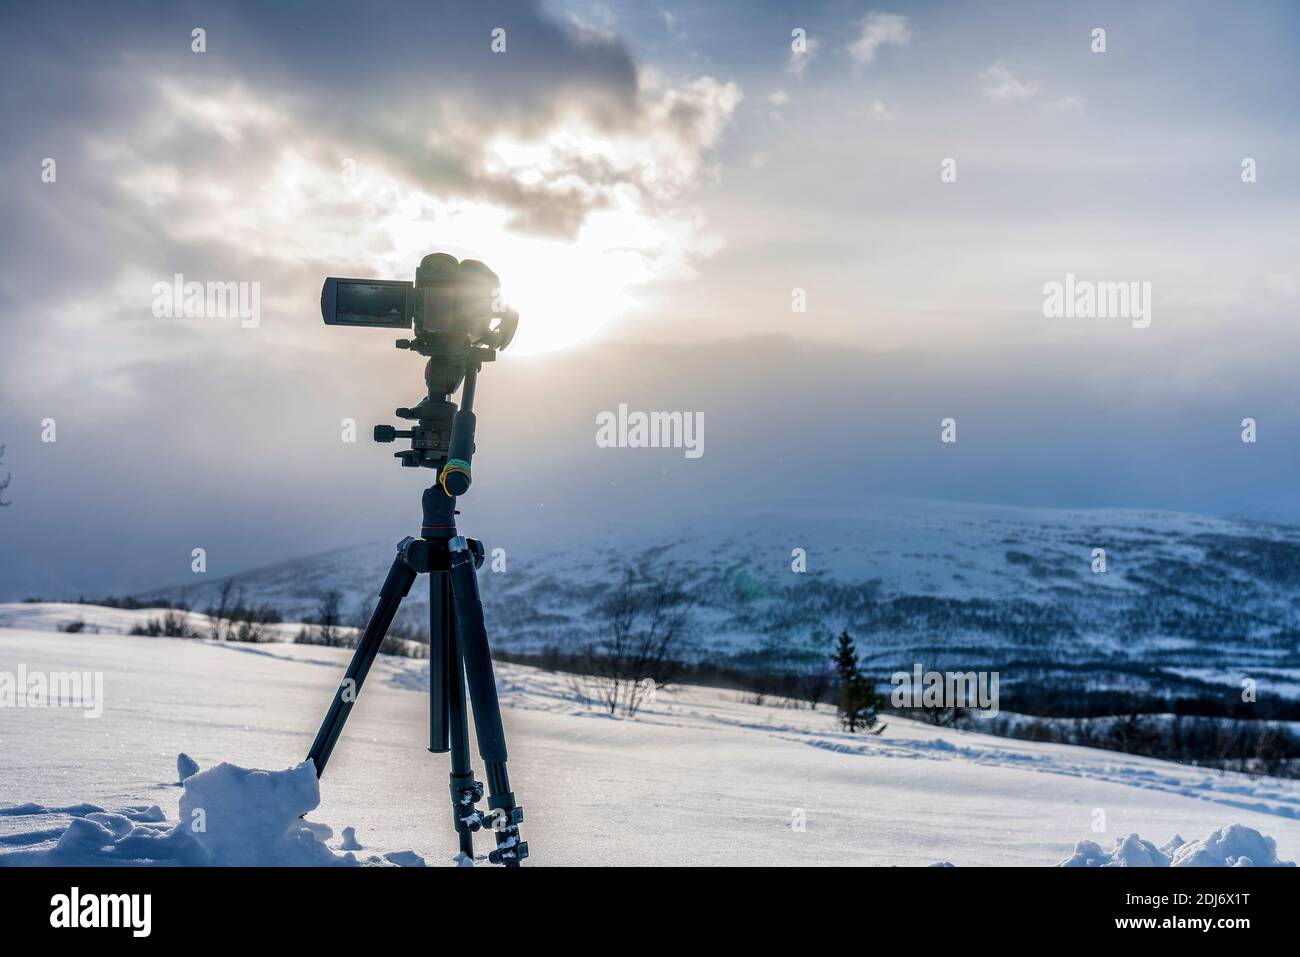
{"x":449,"y":298}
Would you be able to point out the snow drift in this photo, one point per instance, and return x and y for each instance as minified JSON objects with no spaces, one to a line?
{"x":229,"y":817}
{"x":1233,"y":846}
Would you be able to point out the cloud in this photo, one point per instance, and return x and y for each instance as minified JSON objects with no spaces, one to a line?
{"x":673,"y":24}
{"x":1282,"y":284}
{"x":777,"y":99}
{"x":877,"y":30}
{"x":798,"y":61}
{"x":1002,"y":86}
{"x":876,"y":110}
{"x":879,"y":111}
{"x":604,"y":206}
{"x":1067,"y":104}
{"x":563,"y":159}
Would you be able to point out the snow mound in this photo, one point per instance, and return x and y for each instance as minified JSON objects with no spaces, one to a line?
{"x":405,"y":859}
{"x":185,"y":767}
{"x":247,"y":818}
{"x":350,"y":842}
{"x":229,"y":817}
{"x":1232,"y":846}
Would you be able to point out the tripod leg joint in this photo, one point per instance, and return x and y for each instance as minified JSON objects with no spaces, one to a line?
{"x":415,"y":552}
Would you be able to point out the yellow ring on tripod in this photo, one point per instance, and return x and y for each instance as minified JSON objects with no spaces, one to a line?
{"x":453,"y":465}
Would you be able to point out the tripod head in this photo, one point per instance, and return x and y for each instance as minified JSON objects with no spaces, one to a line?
{"x":455,"y":311}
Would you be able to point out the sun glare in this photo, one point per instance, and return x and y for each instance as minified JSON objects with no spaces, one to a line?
{"x":565,"y":290}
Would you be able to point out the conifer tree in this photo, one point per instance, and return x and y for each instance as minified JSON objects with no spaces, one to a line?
{"x":859,"y":703}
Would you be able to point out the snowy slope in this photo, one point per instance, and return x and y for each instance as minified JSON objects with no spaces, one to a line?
{"x":701,"y":778}
{"x":1187,"y":604}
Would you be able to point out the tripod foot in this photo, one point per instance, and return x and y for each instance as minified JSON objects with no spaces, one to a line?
{"x":503,"y":820}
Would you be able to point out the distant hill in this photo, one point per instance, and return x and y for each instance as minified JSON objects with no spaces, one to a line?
{"x":1188,"y":605}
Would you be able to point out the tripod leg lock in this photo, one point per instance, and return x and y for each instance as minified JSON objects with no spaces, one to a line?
{"x":504,"y":818}
{"x":509,"y":851}
{"x":466,"y":549}
{"x":465,"y":794}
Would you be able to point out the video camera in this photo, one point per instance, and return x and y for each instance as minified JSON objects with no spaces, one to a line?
{"x":448,"y":298}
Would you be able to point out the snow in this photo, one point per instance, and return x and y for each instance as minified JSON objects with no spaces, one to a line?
{"x":229,"y":817}
{"x":702,"y":775}
{"x":101,"y":619}
{"x":244,"y":817}
{"x":185,"y":767}
{"x":1233,"y":846}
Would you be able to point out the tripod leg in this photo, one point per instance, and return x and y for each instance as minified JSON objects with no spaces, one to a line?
{"x":449,"y":725}
{"x":471,"y":635}
{"x":442,"y":662}
{"x":396,"y":587}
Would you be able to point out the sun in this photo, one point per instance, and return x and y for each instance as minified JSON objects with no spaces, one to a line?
{"x":566,"y":289}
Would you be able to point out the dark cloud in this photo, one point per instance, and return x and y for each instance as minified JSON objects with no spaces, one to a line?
{"x":412,"y":85}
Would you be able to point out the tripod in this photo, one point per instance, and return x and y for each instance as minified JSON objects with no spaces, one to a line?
{"x":459,"y":657}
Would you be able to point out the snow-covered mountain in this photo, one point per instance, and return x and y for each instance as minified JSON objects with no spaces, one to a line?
{"x":1186,"y":605}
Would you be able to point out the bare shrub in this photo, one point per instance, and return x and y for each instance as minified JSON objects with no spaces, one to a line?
{"x":173,"y":624}
{"x":644,"y":628}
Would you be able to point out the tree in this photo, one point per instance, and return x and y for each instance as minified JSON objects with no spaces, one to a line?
{"x":326,"y":626}
{"x":4,"y":482}
{"x":815,"y":678}
{"x":859,"y":703}
{"x":646,"y":621}
{"x":813,"y":685}
{"x":329,"y":615}
{"x":217,"y":612}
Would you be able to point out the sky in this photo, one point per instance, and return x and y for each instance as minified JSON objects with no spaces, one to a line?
{"x":822,"y":253}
